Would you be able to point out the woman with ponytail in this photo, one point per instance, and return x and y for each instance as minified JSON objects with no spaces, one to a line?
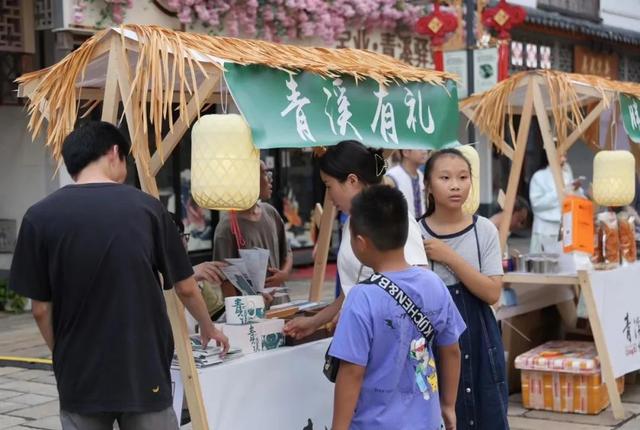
{"x":346,"y":169}
{"x":464,"y":251}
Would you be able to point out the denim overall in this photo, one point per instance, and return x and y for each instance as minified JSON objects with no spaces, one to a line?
{"x":482,"y":391}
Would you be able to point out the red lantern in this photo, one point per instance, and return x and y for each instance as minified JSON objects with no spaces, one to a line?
{"x":437,"y":25}
{"x":503,"y":18}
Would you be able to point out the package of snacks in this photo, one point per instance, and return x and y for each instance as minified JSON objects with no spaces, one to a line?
{"x":627,"y":236}
{"x":608,"y":242}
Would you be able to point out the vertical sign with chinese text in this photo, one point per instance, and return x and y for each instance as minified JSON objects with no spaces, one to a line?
{"x":630,"y":109}
{"x":297,"y":110}
{"x":617,"y":298}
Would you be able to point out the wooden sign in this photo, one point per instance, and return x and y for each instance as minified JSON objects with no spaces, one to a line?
{"x":595,"y":63}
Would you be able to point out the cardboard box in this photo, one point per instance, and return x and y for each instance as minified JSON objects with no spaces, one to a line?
{"x":257,"y":336}
{"x":564,"y":376}
{"x":577,"y":225}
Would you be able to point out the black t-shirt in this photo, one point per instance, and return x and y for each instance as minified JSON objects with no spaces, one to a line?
{"x":95,"y":252}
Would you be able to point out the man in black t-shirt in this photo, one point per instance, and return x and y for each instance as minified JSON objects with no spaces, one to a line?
{"x":90,"y":257}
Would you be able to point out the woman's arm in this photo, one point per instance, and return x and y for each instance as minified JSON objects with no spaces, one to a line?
{"x":303,"y":326}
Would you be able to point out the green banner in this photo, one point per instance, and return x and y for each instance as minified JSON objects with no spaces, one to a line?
{"x":630,"y":108}
{"x":300,"y":110}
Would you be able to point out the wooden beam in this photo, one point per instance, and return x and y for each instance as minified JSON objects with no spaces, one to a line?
{"x":601,"y":346}
{"x":111,"y":94}
{"x":506,"y":149}
{"x":634,"y":148}
{"x":322,"y":250}
{"x":181,"y":125}
{"x":516,"y":165}
{"x":175,"y":309}
{"x":87,"y":93}
{"x":549,"y":145}
{"x":595,"y":113}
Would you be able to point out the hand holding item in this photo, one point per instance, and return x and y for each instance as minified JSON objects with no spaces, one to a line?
{"x":437,"y":250}
{"x":276,"y":277}
{"x":300,"y":327}
{"x":210,"y":332}
{"x":210,"y":271}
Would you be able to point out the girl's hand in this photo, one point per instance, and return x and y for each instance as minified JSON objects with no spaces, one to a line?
{"x":438,"y":251}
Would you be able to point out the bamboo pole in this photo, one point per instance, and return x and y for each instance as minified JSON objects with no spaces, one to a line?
{"x":111,"y":99}
{"x":180,"y":127}
{"x":601,"y":346}
{"x":175,"y":309}
{"x":516,"y":165}
{"x":547,"y":139}
{"x":322,"y":251}
{"x":582,"y":127}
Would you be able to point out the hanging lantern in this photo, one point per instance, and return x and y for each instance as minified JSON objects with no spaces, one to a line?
{"x":503,"y":18}
{"x":437,"y":25}
{"x":225,"y":165}
{"x":472,"y":203}
{"x":614,"y":180}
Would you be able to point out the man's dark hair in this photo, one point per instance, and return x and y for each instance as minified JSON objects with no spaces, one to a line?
{"x":89,"y":142}
{"x":521,"y":204}
{"x":380,"y":214}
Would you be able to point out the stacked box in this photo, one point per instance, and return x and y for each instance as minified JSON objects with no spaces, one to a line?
{"x":564,"y":376}
{"x":256,"y":336}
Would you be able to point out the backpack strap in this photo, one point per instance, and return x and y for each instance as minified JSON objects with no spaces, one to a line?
{"x":419,"y":319}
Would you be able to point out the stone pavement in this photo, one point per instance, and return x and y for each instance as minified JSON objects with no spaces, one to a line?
{"x":29,"y":399}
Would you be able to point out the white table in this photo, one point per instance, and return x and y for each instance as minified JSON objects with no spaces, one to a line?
{"x":280,"y":389}
{"x":537,"y":291}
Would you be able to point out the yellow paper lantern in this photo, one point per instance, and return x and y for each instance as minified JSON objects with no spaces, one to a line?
{"x":472,"y":203}
{"x":614,"y":181}
{"x":225,"y":165}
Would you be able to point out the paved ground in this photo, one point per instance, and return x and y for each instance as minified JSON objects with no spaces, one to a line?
{"x":29,"y":399}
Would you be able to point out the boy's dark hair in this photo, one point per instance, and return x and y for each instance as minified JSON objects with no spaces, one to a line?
{"x":89,"y":142}
{"x":379,"y":213}
{"x":352,"y":157}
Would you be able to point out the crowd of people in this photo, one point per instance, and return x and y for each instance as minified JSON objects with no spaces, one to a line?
{"x":417,"y":342}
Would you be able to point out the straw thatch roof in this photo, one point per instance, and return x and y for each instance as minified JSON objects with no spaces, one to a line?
{"x":163,"y":62}
{"x":565,"y":95}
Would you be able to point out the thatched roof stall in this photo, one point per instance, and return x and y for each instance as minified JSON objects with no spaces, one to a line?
{"x":571,"y":102}
{"x":152,"y":72}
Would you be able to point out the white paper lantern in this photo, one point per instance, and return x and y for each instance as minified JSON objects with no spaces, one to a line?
{"x":225,"y":165}
{"x":614,"y":181}
{"x":472,"y":203}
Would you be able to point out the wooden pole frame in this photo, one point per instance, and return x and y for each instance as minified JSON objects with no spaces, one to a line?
{"x":117,"y":92}
{"x":603,"y":353}
{"x":534,"y":105}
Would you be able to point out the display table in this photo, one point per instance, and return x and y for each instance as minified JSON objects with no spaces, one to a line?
{"x":537,"y":291}
{"x":280,"y":389}
{"x":612,"y":300}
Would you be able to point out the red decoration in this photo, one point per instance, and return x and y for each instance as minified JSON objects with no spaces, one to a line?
{"x":437,"y":25}
{"x":503,"y":18}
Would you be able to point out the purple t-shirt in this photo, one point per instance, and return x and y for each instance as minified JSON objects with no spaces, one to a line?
{"x":374,"y":332}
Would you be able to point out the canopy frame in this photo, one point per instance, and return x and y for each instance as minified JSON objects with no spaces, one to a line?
{"x":489,"y":110}
{"x":122,"y":88}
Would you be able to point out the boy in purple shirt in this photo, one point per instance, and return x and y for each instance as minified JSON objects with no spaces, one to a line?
{"x":387,"y":377}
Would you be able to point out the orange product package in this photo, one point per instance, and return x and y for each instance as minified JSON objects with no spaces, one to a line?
{"x":577,"y":224}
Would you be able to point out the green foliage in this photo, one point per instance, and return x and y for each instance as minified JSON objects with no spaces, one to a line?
{"x":9,"y":300}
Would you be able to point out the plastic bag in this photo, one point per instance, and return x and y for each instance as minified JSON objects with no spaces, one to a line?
{"x":607,"y":250}
{"x":627,"y":236}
